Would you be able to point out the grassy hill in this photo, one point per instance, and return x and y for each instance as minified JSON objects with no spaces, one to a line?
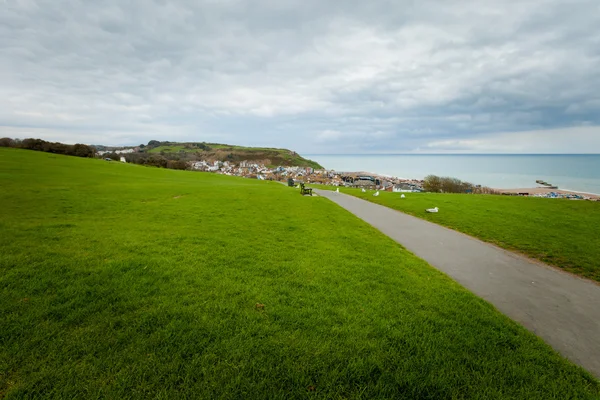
{"x":563,"y":233}
{"x":225,"y":152}
{"x":121,"y":281}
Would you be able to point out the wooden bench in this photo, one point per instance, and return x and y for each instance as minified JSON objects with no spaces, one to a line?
{"x":304,"y":190}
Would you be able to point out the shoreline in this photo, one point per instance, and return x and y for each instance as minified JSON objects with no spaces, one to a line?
{"x":544,"y":191}
{"x":532,"y":191}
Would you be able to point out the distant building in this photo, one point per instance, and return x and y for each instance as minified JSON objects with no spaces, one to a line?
{"x":406,"y":188}
{"x":365,"y":178}
{"x":363,"y":184}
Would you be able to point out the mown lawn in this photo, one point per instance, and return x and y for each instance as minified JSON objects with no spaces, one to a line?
{"x":121,"y":281}
{"x":563,"y":233}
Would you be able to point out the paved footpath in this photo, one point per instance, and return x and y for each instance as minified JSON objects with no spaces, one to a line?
{"x":560,"y":308}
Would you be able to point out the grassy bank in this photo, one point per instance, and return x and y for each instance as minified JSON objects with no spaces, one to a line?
{"x":123,"y":281}
{"x":563,"y":233}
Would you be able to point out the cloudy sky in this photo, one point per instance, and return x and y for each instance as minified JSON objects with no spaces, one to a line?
{"x":315,"y":76}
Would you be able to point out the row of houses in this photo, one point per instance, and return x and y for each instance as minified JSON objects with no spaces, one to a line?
{"x":383,"y":183}
{"x":407,"y":187}
{"x":254,"y":170}
{"x":250,"y":169}
{"x":121,"y":151}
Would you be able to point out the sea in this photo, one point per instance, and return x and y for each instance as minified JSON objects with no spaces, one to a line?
{"x":576,"y":172}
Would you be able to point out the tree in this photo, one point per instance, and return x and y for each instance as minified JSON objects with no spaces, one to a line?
{"x":7,"y":142}
{"x":113,"y":156}
{"x":82,"y":150}
{"x":450,"y":185}
{"x":33,"y":144}
{"x":446,"y":184}
{"x":156,"y":160}
{"x":432,"y":183}
{"x":176,"y":164}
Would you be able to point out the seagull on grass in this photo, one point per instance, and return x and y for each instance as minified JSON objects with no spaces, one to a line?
{"x":402,"y":196}
{"x":376,"y":193}
{"x":363,"y":190}
{"x":432,"y":210}
{"x":337,"y":190}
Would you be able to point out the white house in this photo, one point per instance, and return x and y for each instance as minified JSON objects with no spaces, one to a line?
{"x":406,"y":188}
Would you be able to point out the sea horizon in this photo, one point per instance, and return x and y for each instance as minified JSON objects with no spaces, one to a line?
{"x":578,"y":172}
{"x":450,"y":154}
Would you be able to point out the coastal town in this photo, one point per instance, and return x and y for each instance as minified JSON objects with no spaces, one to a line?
{"x":362,"y":180}
{"x":263,"y":170}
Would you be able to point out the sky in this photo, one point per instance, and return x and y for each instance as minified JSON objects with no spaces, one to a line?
{"x":315,"y":76}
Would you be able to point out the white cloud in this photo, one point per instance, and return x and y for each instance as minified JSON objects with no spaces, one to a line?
{"x":310,"y":75}
{"x":566,"y":140}
{"x":329,"y":136}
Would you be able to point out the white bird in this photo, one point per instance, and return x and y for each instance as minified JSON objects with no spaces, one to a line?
{"x":402,"y":196}
{"x":363,"y":190}
{"x":376,"y":193}
{"x":337,"y":190}
{"x":432,"y":210}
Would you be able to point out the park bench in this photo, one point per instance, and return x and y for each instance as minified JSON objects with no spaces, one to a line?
{"x":304,"y":190}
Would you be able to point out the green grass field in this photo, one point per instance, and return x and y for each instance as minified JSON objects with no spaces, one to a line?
{"x":219,"y":146}
{"x":563,"y":233}
{"x":122,"y":281}
{"x":172,"y":149}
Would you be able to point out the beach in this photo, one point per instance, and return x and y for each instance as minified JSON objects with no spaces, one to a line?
{"x":577,"y":173}
{"x":531,"y":191}
{"x":539,"y":191}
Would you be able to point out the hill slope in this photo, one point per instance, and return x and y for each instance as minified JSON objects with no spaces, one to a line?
{"x":563,"y":233}
{"x":121,"y":281}
{"x":224,"y":152}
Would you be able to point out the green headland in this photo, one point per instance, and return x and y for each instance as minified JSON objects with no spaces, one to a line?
{"x":226,"y":152}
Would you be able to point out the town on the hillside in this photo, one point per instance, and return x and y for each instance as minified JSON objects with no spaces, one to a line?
{"x":294,"y":174}
{"x":297,"y":174}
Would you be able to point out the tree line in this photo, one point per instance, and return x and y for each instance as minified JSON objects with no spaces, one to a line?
{"x":77,"y":150}
{"x":175,"y":161}
{"x":154,"y":160}
{"x":446,"y":184}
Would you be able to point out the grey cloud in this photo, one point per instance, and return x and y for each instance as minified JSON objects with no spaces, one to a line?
{"x":365,"y":76}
